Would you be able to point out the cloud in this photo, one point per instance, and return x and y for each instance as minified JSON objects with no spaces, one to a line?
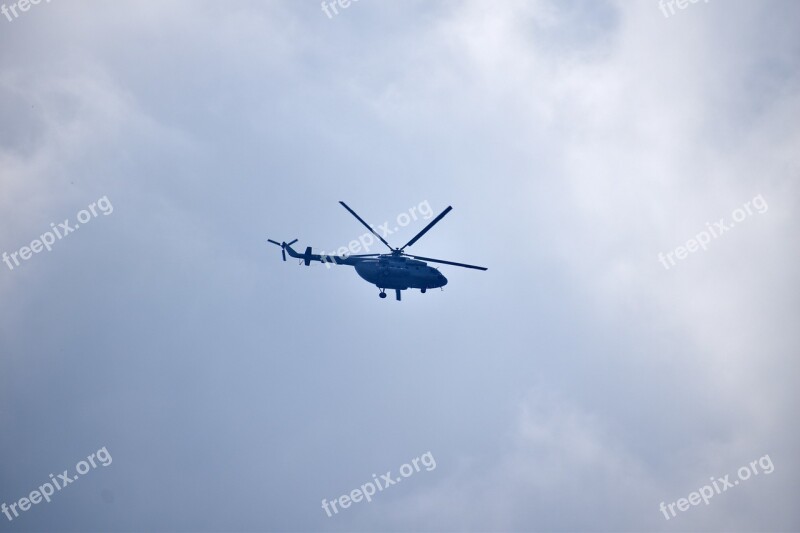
{"x":574,"y":387}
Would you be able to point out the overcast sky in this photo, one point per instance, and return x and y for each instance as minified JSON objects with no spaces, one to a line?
{"x":574,"y":386}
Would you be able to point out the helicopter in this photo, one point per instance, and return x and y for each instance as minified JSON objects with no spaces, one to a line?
{"x":394,"y":270}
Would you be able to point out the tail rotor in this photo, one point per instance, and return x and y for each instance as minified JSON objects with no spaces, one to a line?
{"x":283,"y":246}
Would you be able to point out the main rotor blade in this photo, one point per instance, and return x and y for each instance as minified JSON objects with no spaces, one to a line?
{"x":446,"y":262}
{"x":429,"y":226}
{"x":274,"y":242}
{"x":366,"y":225}
{"x":351,"y":256}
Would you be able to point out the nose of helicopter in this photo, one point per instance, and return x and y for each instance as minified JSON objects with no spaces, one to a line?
{"x":442,"y":280}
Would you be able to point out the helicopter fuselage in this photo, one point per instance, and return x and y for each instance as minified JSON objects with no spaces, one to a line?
{"x":393,"y":272}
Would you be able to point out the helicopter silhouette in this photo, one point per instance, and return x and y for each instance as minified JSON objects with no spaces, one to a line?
{"x":395,"y":270}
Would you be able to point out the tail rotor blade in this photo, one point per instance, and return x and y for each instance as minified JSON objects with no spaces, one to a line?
{"x":283,"y":246}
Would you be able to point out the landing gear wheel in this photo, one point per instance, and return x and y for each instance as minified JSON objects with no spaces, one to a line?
{"x":382,"y":294}
{"x":423,"y":290}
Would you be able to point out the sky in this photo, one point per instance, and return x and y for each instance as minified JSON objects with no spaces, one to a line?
{"x":627,"y":171}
